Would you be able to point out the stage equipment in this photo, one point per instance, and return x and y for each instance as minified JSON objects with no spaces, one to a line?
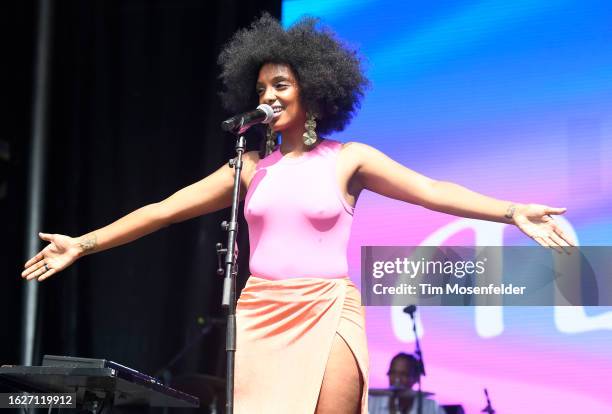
{"x":410,"y":310}
{"x":397,"y":392}
{"x":99,"y":384}
{"x":489,"y":408}
{"x":453,"y":409}
{"x":230,"y":254}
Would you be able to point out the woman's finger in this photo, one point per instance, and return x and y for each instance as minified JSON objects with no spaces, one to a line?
{"x":564,"y":236}
{"x":33,"y":268}
{"x":34,"y":259}
{"x":45,"y":275}
{"x":555,"y":210}
{"x":540,"y":240}
{"x":38,"y":272}
{"x":46,"y":237}
{"x":34,"y":274}
{"x":564,"y":246}
{"x":554,"y":244}
{"x":559,"y":240}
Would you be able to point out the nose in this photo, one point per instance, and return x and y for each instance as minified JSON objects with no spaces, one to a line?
{"x":268,"y":97}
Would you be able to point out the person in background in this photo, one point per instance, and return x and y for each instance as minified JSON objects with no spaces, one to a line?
{"x":403,"y":375}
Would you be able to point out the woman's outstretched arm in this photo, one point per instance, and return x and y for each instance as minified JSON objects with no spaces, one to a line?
{"x":379,"y":173}
{"x":205,"y":196}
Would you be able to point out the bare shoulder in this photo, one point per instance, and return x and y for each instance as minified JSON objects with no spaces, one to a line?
{"x":356,"y":152}
{"x":353,"y":147}
{"x":350,"y":146}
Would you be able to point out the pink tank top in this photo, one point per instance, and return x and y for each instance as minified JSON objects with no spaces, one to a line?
{"x":299,"y":222}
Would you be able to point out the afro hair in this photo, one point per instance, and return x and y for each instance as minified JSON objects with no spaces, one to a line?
{"x":329,"y":73}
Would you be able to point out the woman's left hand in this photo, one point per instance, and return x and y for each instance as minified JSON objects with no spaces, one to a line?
{"x":536,"y":221}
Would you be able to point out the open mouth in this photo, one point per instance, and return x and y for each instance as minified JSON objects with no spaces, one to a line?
{"x":277,"y":110}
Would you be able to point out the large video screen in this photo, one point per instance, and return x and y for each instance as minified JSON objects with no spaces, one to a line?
{"x":512,"y":99}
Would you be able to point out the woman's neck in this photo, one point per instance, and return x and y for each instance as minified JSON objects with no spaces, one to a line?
{"x":293,"y":142}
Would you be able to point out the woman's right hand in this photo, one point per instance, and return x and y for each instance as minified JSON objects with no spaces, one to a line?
{"x":60,"y":253}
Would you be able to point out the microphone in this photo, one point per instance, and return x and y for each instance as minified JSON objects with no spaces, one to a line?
{"x":410,"y":309}
{"x":241,"y":122}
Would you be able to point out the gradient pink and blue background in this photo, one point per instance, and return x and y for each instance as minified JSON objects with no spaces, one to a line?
{"x":512,"y":99}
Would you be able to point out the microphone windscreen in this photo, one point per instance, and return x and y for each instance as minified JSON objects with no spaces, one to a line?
{"x":268,"y":111}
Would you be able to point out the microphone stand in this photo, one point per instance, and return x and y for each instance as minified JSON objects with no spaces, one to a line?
{"x":420,"y":364}
{"x":489,"y":408}
{"x":230,"y":272}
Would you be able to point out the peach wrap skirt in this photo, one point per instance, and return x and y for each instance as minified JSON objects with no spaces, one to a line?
{"x":285,"y":329}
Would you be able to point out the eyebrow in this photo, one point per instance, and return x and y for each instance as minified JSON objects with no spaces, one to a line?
{"x":275,"y":79}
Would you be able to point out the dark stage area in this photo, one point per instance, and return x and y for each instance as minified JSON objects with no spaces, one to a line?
{"x":132,"y":116}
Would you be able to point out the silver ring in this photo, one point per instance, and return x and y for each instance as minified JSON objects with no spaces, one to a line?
{"x":46,"y":268}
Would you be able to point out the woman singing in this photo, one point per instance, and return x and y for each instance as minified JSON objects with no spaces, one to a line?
{"x":301,"y":343}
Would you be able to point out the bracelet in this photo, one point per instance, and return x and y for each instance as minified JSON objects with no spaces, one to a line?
{"x":510,"y":211}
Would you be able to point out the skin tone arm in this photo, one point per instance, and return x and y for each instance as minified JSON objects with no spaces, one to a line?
{"x":380,"y":174}
{"x":205,"y":196}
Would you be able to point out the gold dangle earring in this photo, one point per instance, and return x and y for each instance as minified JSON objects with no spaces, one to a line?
{"x":271,"y":137}
{"x":310,"y":136}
